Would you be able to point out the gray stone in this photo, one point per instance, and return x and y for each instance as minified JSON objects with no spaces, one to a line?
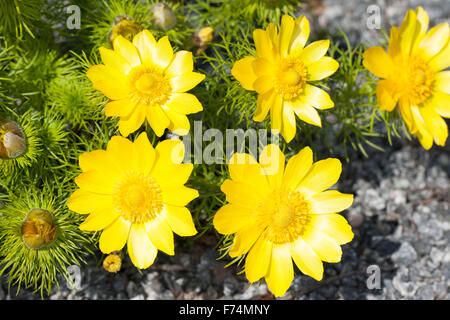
{"x":405,"y":255}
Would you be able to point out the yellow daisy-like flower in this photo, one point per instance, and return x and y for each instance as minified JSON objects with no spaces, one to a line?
{"x":146,"y":80}
{"x":135,"y":193}
{"x":280,"y":75}
{"x":413,"y":77}
{"x":280,"y":213}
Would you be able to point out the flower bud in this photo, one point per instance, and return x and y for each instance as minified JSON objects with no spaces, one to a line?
{"x":124,"y":26}
{"x":38,"y":229}
{"x":113,"y":262}
{"x":12,"y":140}
{"x":205,"y":35}
{"x":163,"y":16}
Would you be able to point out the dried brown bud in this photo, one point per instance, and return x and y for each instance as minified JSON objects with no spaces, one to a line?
{"x":38,"y":229}
{"x":163,"y":16}
{"x":12,"y":140}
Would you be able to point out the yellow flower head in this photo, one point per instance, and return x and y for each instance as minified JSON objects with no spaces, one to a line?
{"x":146,"y":80}
{"x":112,"y":262}
{"x":135,"y":193}
{"x":280,"y":213}
{"x":280,"y":74}
{"x":413,"y":77}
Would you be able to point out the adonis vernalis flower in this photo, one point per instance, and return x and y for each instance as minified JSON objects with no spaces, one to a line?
{"x":135,"y":193}
{"x":413,"y":77}
{"x":280,"y":213}
{"x":280,"y":74}
{"x":146,"y":80}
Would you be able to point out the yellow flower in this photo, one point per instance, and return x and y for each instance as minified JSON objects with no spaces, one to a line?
{"x":282,"y":213}
{"x":135,"y":193}
{"x":280,"y":74}
{"x":413,"y":77}
{"x":146,"y":80}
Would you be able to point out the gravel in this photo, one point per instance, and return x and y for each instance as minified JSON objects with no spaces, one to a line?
{"x":400,"y":218}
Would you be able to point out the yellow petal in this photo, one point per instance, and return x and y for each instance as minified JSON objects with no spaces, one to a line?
{"x":442,"y":81}
{"x":317,"y":98}
{"x":263,"y":84}
{"x":405,"y":111}
{"x":134,"y":121}
{"x":330,"y":201}
{"x":179,"y":123}
{"x":244,"y":240}
{"x":143,"y":154}
{"x":157,"y":119}
{"x":120,"y":149}
{"x":231,"y":218}
{"x":435,"y":125}
{"x":108,"y":81}
{"x":84,"y":202}
{"x":272,"y":161}
{"x":258,"y":260}
{"x":186,"y":81}
{"x":387,"y":99}
{"x":245,"y":169}
{"x":306,"y":259}
{"x":281,"y":270}
{"x":289,"y":126}
{"x":114,"y":60}
{"x":240,"y":193}
{"x":378,"y":62}
{"x":441,"y":103}
{"x":163,"y":52}
{"x":422,"y":133}
{"x":300,"y":34}
{"x":184,"y":103}
{"x":178,"y":195}
{"x":100,"y":219}
{"x":170,"y":154}
{"x":182,"y":63}
{"x":262,"y":67}
{"x":160,"y":234}
{"x":314,"y":51}
{"x":99,"y":160}
{"x":441,"y":61}
{"x":115,"y":236}
{"x":264,"y":47}
{"x":334,"y":225}
{"x":96,"y":181}
{"x":296,"y":168}
{"x":286,"y":31}
{"x":140,"y":249}
{"x":324,"y":246}
{"x":179,"y":220}
{"x":322,"y":68}
{"x":409,"y":30}
{"x":434,"y":41}
{"x":275,"y":115}
{"x":146,"y":44}
{"x":306,"y":113}
{"x":394,"y":44}
{"x":323,"y":174}
{"x":119,"y":108}
{"x":263,"y":105}
{"x":243,"y":72}
{"x":127,"y":50}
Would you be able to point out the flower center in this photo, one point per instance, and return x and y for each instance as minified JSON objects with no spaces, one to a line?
{"x":417,"y":80}
{"x":285,"y":216}
{"x":150,"y":85}
{"x":290,"y":78}
{"x":138,"y":197}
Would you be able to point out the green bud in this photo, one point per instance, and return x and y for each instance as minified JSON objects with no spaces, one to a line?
{"x":38,"y":229}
